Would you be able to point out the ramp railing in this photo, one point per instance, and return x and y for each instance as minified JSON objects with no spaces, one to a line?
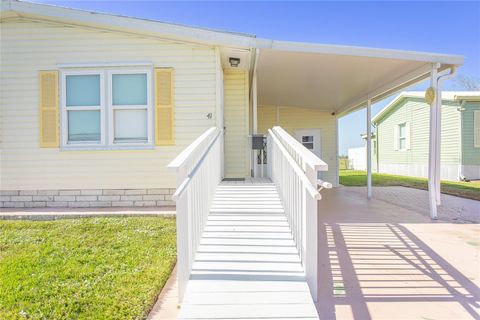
{"x":293,"y":168}
{"x":199,"y":171}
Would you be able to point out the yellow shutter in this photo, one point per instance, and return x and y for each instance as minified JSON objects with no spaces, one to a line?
{"x":48,"y":102}
{"x":164,"y":107}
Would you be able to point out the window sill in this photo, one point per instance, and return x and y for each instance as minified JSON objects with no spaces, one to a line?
{"x":105,"y":148}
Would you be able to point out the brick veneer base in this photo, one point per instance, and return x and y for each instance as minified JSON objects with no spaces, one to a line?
{"x":94,"y":198}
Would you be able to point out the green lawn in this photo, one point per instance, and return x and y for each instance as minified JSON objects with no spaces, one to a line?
{"x":470,"y":190}
{"x":92,"y":268}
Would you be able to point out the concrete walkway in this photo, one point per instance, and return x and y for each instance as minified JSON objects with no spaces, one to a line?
{"x":453,"y":208}
{"x":247,"y":265}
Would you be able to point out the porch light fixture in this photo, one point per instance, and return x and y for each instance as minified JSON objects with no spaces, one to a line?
{"x":234,"y":62}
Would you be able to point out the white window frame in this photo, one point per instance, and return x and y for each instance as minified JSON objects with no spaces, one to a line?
{"x":65,"y":109}
{"x":404,"y":137}
{"x":112,"y":108}
{"x":106,"y":110}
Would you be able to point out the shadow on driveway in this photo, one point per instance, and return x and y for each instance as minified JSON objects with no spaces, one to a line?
{"x":380,"y":261}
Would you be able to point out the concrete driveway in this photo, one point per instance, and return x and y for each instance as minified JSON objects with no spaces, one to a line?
{"x":379,"y":260}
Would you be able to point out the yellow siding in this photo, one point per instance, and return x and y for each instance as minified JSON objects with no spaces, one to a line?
{"x":28,"y":47}
{"x":292,"y":118}
{"x":236,"y":124}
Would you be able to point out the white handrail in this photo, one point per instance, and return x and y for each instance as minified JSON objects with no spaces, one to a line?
{"x":183,"y":186}
{"x":185,"y":156}
{"x":309,"y":187}
{"x":293,"y":169}
{"x":199,"y":171}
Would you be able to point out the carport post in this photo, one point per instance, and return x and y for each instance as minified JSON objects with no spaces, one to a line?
{"x":369,"y":149}
{"x":433,"y":158}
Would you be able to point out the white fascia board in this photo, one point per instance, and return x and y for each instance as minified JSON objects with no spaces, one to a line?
{"x":128,"y":24}
{"x":467,"y":95}
{"x":359,"y":51}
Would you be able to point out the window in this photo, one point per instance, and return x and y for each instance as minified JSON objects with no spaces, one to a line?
{"x":106,"y":108}
{"x":307,"y":142}
{"x":129,"y":107}
{"x":402,"y":136}
{"x":83,"y":107}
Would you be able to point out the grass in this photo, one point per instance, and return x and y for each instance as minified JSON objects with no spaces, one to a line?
{"x":470,"y":190}
{"x":93,"y":268}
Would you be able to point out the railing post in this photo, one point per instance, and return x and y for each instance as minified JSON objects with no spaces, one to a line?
{"x":311,"y":236}
{"x":183,"y":241}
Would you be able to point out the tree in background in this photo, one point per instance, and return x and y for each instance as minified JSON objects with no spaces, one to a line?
{"x":467,"y":82}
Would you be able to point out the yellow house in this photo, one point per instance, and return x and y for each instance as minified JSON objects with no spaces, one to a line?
{"x":95,"y":106}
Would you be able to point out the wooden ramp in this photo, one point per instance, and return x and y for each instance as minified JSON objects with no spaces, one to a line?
{"x":247,"y":266}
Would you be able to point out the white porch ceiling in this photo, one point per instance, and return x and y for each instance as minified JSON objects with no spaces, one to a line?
{"x":332,"y":81}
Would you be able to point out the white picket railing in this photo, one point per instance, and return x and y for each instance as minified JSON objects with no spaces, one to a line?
{"x":199,"y":171}
{"x":293,"y":169}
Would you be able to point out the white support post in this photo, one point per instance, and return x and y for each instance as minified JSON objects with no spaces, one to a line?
{"x":254,"y":122}
{"x":432,"y":153}
{"x":369,"y":149}
{"x":438,"y":107}
{"x":254,"y":117}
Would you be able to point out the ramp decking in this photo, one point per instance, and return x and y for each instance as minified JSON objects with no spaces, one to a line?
{"x":247,"y":266}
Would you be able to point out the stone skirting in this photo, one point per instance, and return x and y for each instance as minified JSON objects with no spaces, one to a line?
{"x":95,"y":198}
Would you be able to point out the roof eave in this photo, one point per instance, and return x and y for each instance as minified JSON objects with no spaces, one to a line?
{"x":126,"y":24}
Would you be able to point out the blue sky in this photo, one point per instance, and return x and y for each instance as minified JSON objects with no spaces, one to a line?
{"x":445,"y":27}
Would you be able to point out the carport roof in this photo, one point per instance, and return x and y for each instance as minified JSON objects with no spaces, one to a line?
{"x":338,"y":78}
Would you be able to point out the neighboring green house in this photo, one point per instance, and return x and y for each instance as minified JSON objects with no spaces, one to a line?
{"x":402,"y":136}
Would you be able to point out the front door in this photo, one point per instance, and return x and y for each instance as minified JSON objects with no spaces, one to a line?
{"x":310,"y":138}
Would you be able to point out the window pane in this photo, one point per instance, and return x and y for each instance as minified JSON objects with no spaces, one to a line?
{"x":308,"y":145}
{"x":401,"y":130}
{"x":84,"y":125}
{"x":402,"y":144}
{"x":307,"y":138}
{"x":83,"y":90}
{"x":129,"y":89}
{"x":130,"y":125}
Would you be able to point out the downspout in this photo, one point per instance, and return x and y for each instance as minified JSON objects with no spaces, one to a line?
{"x":460,"y":150}
{"x":376,"y":147}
